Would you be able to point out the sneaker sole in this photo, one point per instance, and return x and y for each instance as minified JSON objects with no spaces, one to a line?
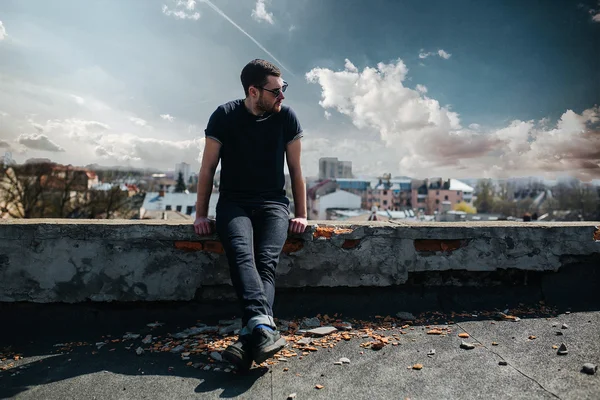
{"x":270,"y":351}
{"x":236,"y":360}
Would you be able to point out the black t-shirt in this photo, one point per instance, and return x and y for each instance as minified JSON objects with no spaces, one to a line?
{"x":252,"y":149}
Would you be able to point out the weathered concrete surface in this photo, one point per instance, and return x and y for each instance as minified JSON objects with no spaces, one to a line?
{"x":80,"y":260}
{"x":77,"y":369}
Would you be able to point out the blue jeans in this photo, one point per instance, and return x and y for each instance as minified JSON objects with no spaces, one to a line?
{"x":253,"y":234}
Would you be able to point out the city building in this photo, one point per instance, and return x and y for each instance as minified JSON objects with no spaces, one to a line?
{"x":184,"y":203}
{"x":389,"y":193}
{"x":428,"y":196}
{"x":331,"y":168}
{"x":324,"y":206}
{"x":313,"y":193}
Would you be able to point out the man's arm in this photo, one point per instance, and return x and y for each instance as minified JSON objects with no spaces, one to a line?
{"x":210,"y":160}
{"x":293,"y":151}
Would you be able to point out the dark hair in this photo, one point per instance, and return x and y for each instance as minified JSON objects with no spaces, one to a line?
{"x":256,"y":72}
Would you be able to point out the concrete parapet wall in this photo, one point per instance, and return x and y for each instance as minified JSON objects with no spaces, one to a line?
{"x":81,"y":260}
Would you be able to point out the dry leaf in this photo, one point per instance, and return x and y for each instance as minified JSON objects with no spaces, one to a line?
{"x":463,"y":335}
{"x":319,"y":387}
{"x":434,"y":332}
{"x":417,"y":366}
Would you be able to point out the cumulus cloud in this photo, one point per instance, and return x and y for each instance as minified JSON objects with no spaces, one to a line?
{"x":3,"y":33}
{"x":421,"y":88}
{"x":95,"y":141}
{"x":427,"y":139}
{"x":130,"y":148}
{"x":182,"y":9}
{"x":73,"y":128}
{"x":36,"y":141}
{"x":327,"y":114}
{"x":167,"y":117}
{"x":260,"y":13}
{"x":138,"y":121}
{"x":4,"y":144}
{"x":442,"y":53}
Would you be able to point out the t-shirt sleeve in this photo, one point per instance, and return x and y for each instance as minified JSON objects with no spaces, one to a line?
{"x":215,"y":129}
{"x":293,"y":130}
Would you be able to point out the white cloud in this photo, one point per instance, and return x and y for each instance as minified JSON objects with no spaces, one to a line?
{"x":36,"y":141}
{"x":474,"y":126}
{"x":444,"y":54}
{"x":596,"y":18}
{"x":73,"y":129}
{"x":4,"y":143}
{"x":78,"y":100}
{"x":327,"y":114}
{"x":292,"y":28}
{"x":183,"y":9}
{"x":421,"y":88}
{"x":260,"y":12}
{"x":126,"y":148}
{"x":138,"y":121}
{"x":97,"y":142}
{"x":3,"y":33}
{"x":427,"y":139}
{"x":167,"y":117}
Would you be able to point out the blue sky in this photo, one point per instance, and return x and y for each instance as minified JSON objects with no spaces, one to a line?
{"x":418,"y":88}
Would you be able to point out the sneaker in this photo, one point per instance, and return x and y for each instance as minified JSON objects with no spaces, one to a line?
{"x":239,"y":354}
{"x":265,"y":343}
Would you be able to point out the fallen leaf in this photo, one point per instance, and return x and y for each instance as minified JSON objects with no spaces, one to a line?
{"x":531,"y":337}
{"x":319,"y":387}
{"x":555,"y":347}
{"x":463,"y":335}
{"x":286,"y":369}
{"x":435,"y":332}
{"x":378,"y":345}
{"x":494,"y":344}
{"x":417,"y":366}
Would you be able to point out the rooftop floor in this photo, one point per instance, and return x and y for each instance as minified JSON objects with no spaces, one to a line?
{"x":57,"y":353}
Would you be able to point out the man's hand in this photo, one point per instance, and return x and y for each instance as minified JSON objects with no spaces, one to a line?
{"x":298,"y":225}
{"x":203,"y":226}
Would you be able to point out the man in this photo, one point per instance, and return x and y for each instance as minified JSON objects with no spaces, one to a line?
{"x":251,"y":137}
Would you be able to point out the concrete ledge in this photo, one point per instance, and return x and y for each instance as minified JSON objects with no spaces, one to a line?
{"x":82,"y":260}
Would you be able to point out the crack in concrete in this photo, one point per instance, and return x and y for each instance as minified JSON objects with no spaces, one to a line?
{"x":510,"y":364}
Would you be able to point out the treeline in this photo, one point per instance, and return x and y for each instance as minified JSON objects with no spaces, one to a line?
{"x":510,"y":200}
{"x":48,"y":190}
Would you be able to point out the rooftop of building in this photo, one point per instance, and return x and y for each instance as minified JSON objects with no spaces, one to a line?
{"x":81,"y":298}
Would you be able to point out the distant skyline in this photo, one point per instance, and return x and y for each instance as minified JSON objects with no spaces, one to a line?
{"x":434,"y":88}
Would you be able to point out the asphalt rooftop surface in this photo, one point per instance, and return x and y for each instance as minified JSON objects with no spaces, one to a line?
{"x":89,"y":352}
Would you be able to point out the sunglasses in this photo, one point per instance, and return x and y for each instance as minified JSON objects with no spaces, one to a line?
{"x":277,"y":91}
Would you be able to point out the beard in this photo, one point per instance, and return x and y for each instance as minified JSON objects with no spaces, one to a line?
{"x":268,"y":106}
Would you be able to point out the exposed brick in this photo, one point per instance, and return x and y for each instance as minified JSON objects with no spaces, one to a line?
{"x":328,"y":232}
{"x":293,"y":245}
{"x":213,"y":246}
{"x":350,"y":243}
{"x":597,"y":234}
{"x":438,"y":245}
{"x":188,"y":246}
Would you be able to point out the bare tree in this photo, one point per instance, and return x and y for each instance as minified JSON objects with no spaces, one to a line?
{"x":108,"y":204}
{"x":24,"y":190}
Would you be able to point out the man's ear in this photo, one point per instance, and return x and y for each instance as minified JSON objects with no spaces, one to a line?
{"x":253,"y":91}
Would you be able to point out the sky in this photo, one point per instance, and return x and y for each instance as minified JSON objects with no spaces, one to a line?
{"x":414,"y":88}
